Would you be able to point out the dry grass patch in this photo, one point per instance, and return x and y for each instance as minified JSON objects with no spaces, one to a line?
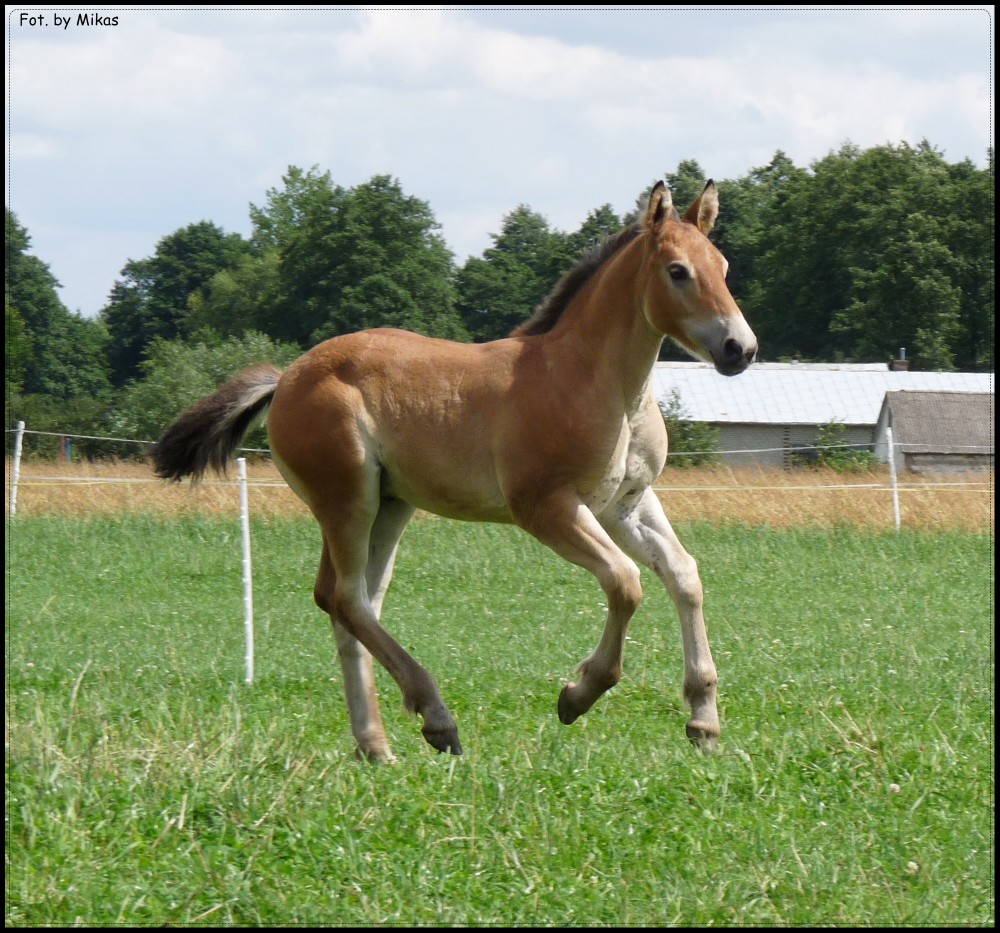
{"x":823,"y":497}
{"x":778,"y":498}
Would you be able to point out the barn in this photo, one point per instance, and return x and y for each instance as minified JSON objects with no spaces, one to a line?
{"x":773,"y":410}
{"x":937,"y":432}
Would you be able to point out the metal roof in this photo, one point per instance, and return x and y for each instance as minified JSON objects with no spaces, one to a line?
{"x":799,"y":393}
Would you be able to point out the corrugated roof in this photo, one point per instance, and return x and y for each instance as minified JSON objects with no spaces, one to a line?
{"x":942,"y":422}
{"x":795,"y":393}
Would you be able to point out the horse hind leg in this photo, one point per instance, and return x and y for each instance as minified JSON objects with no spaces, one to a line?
{"x":359,"y":676}
{"x":359,"y":550}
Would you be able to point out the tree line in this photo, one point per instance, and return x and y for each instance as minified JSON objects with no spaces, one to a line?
{"x":861,"y":253}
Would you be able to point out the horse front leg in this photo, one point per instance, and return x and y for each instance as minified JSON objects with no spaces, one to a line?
{"x":570,"y":529}
{"x":645,"y":534}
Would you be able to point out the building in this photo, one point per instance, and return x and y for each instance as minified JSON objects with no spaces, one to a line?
{"x":772,"y":410}
{"x":937,"y":432}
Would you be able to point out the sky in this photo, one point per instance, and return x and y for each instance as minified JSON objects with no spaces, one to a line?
{"x":135,"y":122}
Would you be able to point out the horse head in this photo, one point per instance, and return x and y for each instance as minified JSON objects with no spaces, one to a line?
{"x":684,"y":292}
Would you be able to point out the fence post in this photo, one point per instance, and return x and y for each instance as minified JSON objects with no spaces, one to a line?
{"x":892,"y":476}
{"x":16,"y":469}
{"x":247,"y":572}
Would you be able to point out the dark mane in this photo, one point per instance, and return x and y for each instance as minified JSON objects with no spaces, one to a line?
{"x":568,"y":287}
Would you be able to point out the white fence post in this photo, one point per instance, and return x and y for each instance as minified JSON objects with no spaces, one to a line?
{"x":247,"y":572}
{"x":892,"y":475}
{"x":16,"y":470}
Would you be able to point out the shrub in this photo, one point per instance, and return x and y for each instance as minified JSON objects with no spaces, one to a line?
{"x":697,"y":443}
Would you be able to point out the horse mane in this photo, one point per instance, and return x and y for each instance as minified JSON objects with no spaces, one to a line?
{"x":569,"y":286}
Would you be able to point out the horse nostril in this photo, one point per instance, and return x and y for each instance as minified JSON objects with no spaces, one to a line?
{"x":732,"y":352}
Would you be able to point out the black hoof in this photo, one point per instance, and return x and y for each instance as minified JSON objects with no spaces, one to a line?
{"x":444,"y":740}
{"x":567,"y":713}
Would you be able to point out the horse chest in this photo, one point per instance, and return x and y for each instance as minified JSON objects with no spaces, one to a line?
{"x":630,"y":470}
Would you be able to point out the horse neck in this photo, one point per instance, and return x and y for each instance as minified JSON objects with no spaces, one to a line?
{"x":605,"y":329}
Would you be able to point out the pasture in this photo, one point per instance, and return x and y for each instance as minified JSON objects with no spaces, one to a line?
{"x":146,"y":784}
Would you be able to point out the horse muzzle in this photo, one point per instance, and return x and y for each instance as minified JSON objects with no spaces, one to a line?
{"x":734,"y":356}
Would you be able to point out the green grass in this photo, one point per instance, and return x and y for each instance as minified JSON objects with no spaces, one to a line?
{"x":146,"y":784}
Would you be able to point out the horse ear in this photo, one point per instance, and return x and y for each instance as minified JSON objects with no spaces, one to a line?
{"x":705,"y":209}
{"x":660,"y":208}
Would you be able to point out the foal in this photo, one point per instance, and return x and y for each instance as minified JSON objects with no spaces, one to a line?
{"x":554,"y":429}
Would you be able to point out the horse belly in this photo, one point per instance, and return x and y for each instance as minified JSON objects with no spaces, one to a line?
{"x":454,"y":480}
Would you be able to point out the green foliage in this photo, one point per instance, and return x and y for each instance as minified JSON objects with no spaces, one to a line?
{"x":239,"y":299}
{"x":151,"y":300}
{"x":686,"y":184}
{"x":692,"y":443}
{"x":177,"y":373}
{"x":500,"y":290}
{"x":17,"y":349}
{"x":871,"y":251}
{"x":344,"y":260}
{"x":55,"y":363}
{"x":67,"y":356}
{"x":864,"y":252}
{"x":147,"y":785}
{"x":832,"y":450}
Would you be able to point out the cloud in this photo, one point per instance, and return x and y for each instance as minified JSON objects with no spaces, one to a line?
{"x":177,"y":116}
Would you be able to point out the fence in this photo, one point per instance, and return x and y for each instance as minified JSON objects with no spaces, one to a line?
{"x":893,"y":488}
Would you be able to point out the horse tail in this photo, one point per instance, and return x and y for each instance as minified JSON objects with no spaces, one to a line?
{"x":207,"y":434}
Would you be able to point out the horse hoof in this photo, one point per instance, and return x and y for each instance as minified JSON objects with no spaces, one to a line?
{"x":444,"y":740}
{"x":567,"y":712}
{"x":703,"y":738}
{"x":375,"y":756}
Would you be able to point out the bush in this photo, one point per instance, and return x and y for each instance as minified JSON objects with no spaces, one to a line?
{"x":696,"y":442}
{"x":177,"y":374}
{"x":834,"y":452}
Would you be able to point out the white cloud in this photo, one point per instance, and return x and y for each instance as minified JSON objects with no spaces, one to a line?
{"x":177,"y":116}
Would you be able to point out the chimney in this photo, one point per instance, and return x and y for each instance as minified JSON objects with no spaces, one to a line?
{"x":902,"y":364}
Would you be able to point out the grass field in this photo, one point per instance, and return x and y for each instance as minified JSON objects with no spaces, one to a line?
{"x":146,"y":784}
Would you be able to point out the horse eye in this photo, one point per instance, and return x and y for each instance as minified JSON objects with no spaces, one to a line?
{"x":678,"y":272}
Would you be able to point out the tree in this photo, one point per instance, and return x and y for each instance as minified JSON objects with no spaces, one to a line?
{"x":239,"y":299}
{"x":970,"y":238}
{"x":17,"y":350}
{"x":868,"y":253}
{"x":686,"y":184}
{"x":502,"y":288}
{"x":833,"y":451}
{"x":748,"y":205}
{"x":177,"y":373}
{"x":398,"y":271}
{"x":335,"y":260}
{"x":600,"y":223}
{"x":67,"y":351}
{"x":152,"y":298}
